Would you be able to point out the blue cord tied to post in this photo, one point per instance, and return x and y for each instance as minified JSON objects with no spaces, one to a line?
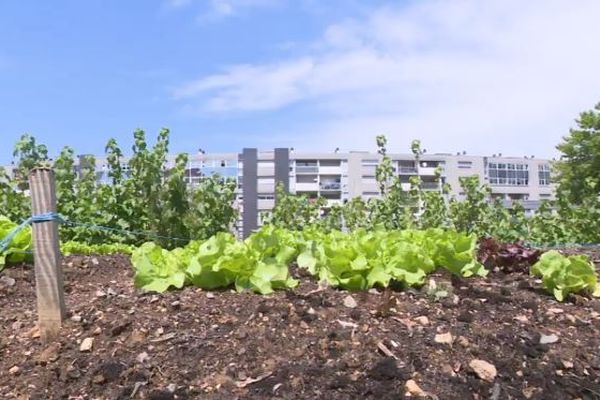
{"x":46,"y":217}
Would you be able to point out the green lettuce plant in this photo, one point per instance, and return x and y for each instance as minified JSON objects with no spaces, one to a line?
{"x":18,"y":246}
{"x":562,"y":275}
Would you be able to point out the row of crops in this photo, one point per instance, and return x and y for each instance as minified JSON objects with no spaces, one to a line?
{"x":395,"y":239}
{"x":358,"y":260}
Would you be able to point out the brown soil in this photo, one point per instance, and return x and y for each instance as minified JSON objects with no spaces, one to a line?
{"x":304,"y":344}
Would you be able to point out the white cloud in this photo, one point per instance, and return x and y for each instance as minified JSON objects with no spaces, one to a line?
{"x":218,"y":9}
{"x":484,"y":76}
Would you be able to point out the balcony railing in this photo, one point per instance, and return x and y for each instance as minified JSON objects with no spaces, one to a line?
{"x":307,"y":169}
{"x":430,"y":185}
{"x":407,"y":170}
{"x":330,"y":186}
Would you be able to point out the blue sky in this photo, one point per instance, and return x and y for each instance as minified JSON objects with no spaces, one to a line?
{"x":483,"y":76}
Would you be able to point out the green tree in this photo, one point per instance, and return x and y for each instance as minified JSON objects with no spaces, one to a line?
{"x":29,"y":155}
{"x":578,"y":170}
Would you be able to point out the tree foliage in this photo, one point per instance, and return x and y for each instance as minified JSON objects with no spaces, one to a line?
{"x":578,"y":170}
{"x":142,"y":194}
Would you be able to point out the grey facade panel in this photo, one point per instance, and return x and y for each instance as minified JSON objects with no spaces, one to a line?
{"x":282,"y":168}
{"x":250,"y":190}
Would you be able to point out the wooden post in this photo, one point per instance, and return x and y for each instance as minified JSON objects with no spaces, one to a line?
{"x":46,"y":253}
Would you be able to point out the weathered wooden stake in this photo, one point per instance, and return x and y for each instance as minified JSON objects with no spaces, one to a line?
{"x":46,"y":253}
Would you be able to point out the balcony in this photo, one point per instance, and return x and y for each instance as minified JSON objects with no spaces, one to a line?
{"x":430,"y":185}
{"x":333,"y":186}
{"x":307,"y":186}
{"x":407,"y":170}
{"x":265,"y":204}
{"x":307,"y":169}
{"x":265,"y":171}
{"x":265,"y":188}
{"x":222,"y":171}
{"x":330,"y":169}
{"x":428,"y":171}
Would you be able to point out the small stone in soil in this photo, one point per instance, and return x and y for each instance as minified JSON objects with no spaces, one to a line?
{"x":86,"y":344}
{"x":413,"y":389}
{"x":350,"y":302}
{"x":548,"y":339}
{"x":76,"y":318}
{"x":483,"y":369}
{"x":443,"y":338}
{"x":142,"y":357}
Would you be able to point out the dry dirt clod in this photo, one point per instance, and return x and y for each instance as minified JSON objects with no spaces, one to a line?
{"x":350,"y":302}
{"x":530,"y":391}
{"x":423,"y":320}
{"x":483,"y":369}
{"x":521,"y":318}
{"x":142,"y":357}
{"x":7,"y":280}
{"x":50,"y":354}
{"x":14,"y":370}
{"x":34,"y":332}
{"x":413,"y":389}
{"x":86,"y":344}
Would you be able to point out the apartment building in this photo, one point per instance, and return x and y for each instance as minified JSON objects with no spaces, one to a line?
{"x":339,"y":177}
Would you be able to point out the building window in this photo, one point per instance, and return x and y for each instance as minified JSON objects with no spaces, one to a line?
{"x":465,"y":164}
{"x":518,"y":196}
{"x":508,"y":174}
{"x":544,"y":174}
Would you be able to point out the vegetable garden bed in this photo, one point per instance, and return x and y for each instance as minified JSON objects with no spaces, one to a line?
{"x":312,"y":342}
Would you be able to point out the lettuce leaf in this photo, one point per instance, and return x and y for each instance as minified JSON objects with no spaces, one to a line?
{"x":562,"y":275}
